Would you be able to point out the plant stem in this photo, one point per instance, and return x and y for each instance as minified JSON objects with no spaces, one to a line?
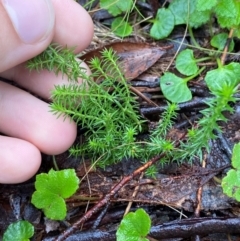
{"x":193,"y":76}
{"x":192,"y":37}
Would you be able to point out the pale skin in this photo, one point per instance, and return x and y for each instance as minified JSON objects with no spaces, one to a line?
{"x":28,"y":126}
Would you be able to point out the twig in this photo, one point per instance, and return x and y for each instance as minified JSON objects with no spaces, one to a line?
{"x":106,"y":199}
{"x":133,"y":196}
{"x":180,"y":229}
{"x":227,"y":46}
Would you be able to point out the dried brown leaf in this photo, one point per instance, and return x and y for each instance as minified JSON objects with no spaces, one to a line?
{"x":135,"y":58}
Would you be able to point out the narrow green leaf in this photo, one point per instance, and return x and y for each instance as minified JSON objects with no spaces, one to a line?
{"x":236,"y":156}
{"x":19,"y":231}
{"x":219,"y":41}
{"x":163,"y":24}
{"x":121,"y":28}
{"x":174,"y":88}
{"x":186,"y":63}
{"x":134,"y":226}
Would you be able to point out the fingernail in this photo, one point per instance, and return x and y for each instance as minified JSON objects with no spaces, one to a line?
{"x":33,"y":20}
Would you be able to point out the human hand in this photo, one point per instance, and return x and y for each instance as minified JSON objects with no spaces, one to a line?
{"x":27,"y":28}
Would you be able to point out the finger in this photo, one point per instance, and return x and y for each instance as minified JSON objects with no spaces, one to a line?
{"x":20,"y":160}
{"x":26,"y":117}
{"x":41,"y":83}
{"x":27,"y":29}
{"x":73,"y":25}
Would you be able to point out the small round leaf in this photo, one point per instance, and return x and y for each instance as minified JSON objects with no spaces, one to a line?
{"x":174,"y":88}
{"x":134,"y":226}
{"x":121,"y":28}
{"x":163,"y":24}
{"x":231,"y":184}
{"x":19,"y":231}
{"x":186,"y":63}
{"x":219,"y":41}
{"x":236,"y":156}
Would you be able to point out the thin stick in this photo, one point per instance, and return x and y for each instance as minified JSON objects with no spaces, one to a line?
{"x":106,"y":199}
{"x":224,"y":55}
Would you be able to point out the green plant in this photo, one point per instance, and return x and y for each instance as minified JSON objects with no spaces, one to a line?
{"x":19,"y":231}
{"x":51,"y":190}
{"x":231,"y":182}
{"x":222,"y":82}
{"x":119,"y":26}
{"x":104,"y":105}
{"x":194,"y":14}
{"x":134,"y":226}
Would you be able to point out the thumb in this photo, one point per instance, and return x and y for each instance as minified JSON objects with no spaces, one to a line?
{"x":26,"y":30}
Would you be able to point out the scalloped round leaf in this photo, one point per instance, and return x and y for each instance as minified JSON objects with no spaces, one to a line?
{"x":225,"y":8}
{"x":236,"y":156}
{"x":180,"y":10}
{"x":185,"y":11}
{"x":121,"y":28}
{"x":64,"y":183}
{"x":186,"y":63}
{"x":219,"y":41}
{"x":174,"y":88}
{"x":163,"y":24}
{"x":43,"y":198}
{"x":57,"y":210}
{"x":134,"y":226}
{"x":231,"y":184}
{"x":19,"y":231}
{"x":203,"y":5}
{"x":118,"y":7}
{"x":198,"y":18}
{"x":226,"y":75}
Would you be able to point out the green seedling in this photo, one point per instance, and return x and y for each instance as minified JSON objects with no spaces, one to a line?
{"x":219,"y":41}
{"x":175,"y":88}
{"x":119,"y":26}
{"x":163,"y":24}
{"x":52,"y":189}
{"x":223,"y":83}
{"x":231,"y":182}
{"x":116,"y":7}
{"x":195,"y":13}
{"x":19,"y":231}
{"x":134,"y":226}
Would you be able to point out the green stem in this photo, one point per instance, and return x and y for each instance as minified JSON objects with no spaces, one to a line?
{"x":55,"y":163}
{"x":220,"y":65}
{"x":193,"y":76}
{"x":192,"y":37}
{"x":202,"y":59}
